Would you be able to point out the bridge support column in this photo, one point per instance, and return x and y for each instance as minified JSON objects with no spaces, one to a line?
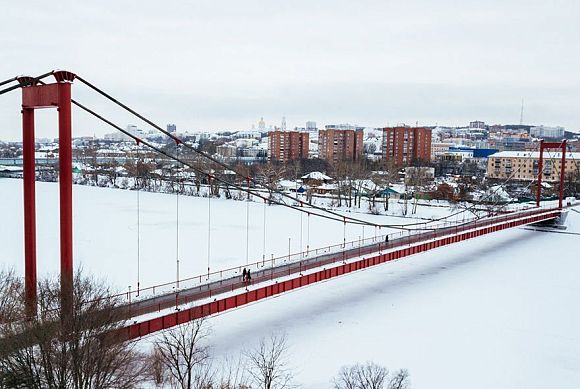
{"x":65,"y":186}
{"x":562,"y":173}
{"x":29,"y":190}
{"x":56,"y":95}
{"x":552,"y":145}
{"x":540,"y":172}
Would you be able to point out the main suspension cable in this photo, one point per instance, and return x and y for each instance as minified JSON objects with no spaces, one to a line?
{"x":214,"y":160}
{"x":270,"y":200}
{"x":138,"y":168}
{"x":24,"y":82}
{"x":177,"y":218}
{"x":8,"y":81}
{"x":197,"y":170}
{"x":208,"y":223}
{"x":352,"y":220}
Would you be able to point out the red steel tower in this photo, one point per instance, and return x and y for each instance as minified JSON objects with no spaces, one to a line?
{"x":56,"y":95}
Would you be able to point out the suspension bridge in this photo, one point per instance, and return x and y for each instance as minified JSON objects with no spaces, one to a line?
{"x":155,"y":308}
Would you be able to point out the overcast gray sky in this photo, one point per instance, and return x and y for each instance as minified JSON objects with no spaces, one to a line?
{"x":209,"y":65}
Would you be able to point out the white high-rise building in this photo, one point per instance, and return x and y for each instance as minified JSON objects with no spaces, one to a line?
{"x":310,"y":126}
{"x":134,"y":130}
{"x":547,"y":132}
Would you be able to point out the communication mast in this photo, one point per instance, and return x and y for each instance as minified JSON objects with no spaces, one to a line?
{"x":283,"y":123}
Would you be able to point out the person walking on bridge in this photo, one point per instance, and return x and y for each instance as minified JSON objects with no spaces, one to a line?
{"x":244,"y":275}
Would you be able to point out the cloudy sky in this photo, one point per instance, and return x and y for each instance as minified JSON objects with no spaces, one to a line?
{"x":209,"y":65}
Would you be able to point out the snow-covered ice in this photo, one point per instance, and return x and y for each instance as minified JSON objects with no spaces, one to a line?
{"x":105,"y":232}
{"x":500,"y":311}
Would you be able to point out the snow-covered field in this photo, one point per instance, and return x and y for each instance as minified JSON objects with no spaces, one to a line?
{"x":105,"y":232}
{"x":501,"y":311}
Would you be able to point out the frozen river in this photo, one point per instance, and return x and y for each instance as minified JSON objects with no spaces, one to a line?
{"x":501,"y":311}
{"x":105,"y":232}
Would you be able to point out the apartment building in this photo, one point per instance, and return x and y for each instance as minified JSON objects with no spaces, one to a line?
{"x":523,"y":166}
{"x":285,"y":146}
{"x":406,"y":145}
{"x":340,"y":144}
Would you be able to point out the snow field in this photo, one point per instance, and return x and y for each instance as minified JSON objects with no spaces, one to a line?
{"x":499,"y":311}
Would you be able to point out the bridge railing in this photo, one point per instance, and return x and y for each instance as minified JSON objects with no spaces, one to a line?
{"x":327,"y":255}
{"x":395,"y":239}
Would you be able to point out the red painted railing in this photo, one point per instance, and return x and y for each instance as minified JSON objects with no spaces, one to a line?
{"x":169,"y":320}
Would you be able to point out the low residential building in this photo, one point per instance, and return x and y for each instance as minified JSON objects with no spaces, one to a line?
{"x":227,"y":151}
{"x":439,"y":148}
{"x":316,"y":178}
{"x":520,"y":165}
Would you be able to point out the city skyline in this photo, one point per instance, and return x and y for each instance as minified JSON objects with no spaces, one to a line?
{"x":206,"y":66}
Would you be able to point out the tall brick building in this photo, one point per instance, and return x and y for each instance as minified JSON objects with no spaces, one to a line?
{"x":285,"y":146}
{"x":406,"y":145}
{"x":338,"y":145}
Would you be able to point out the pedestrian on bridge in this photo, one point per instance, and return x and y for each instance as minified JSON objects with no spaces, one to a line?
{"x":248,"y":276}
{"x":244,"y":275}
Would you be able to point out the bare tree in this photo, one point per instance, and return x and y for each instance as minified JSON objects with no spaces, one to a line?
{"x":233,"y":374}
{"x":416,"y":177}
{"x":10,"y":296}
{"x":46,"y":352}
{"x":389,"y":176}
{"x":140,"y":169}
{"x":268,"y":364}
{"x":400,"y":380}
{"x":348,"y":174}
{"x":185,"y":355}
{"x":156,"y":369}
{"x":369,"y":376}
{"x":270,"y":175}
{"x":359,"y":376}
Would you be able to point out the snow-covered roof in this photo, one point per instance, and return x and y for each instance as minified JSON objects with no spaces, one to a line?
{"x":534,"y":154}
{"x":287,"y":184}
{"x":10,"y":168}
{"x":44,"y":154}
{"x":397,"y":188}
{"x":316,"y":176}
{"x":498,"y":192}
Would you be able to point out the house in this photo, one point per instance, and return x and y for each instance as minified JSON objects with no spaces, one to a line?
{"x":316,"y":179}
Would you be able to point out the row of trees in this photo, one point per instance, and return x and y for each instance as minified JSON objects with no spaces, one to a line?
{"x":44,"y":352}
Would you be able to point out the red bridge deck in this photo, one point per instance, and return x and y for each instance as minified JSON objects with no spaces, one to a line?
{"x":395,"y":249}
